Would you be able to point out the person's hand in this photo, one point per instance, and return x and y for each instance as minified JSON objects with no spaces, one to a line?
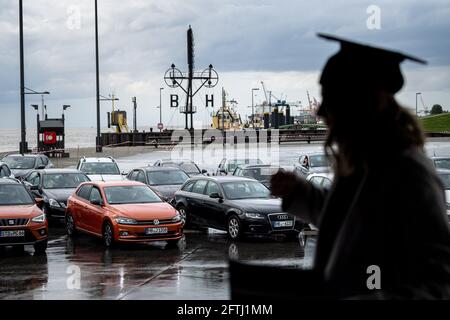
{"x":283,"y":183}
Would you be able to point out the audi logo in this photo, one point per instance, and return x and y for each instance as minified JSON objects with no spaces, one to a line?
{"x":11,"y":222}
{"x":283,"y":217}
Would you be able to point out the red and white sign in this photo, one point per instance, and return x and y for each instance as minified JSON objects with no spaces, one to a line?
{"x":49,"y":137}
{"x":160,"y":126}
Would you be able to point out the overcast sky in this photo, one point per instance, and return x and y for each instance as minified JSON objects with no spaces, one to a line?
{"x":246,"y":41}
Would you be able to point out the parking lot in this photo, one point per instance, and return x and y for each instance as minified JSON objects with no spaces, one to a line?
{"x":81,"y":268}
{"x":196,"y":269}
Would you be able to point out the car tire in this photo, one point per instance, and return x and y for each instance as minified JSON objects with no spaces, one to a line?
{"x":40,"y":247}
{"x":108,"y":235}
{"x":234,"y":227}
{"x":70,"y":226}
{"x":183,"y":212}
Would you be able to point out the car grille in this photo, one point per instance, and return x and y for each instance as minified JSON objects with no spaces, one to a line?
{"x":151,"y":222}
{"x":281,"y":217}
{"x":13,"y":222}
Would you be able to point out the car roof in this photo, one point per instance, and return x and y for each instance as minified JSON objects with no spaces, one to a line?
{"x":156,"y":168}
{"x":26,"y":155}
{"x":443,"y":171}
{"x":55,"y":170}
{"x":255,"y":166}
{"x":100,"y":159}
{"x":329,"y":175}
{"x":115,"y":183}
{"x":222,"y":178}
{"x":439,"y":158}
{"x":176,"y":161}
{"x":8,"y":180}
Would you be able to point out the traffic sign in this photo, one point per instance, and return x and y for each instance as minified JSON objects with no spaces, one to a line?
{"x":160,"y":126}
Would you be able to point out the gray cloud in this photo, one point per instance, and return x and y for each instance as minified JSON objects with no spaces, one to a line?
{"x":140,"y":39}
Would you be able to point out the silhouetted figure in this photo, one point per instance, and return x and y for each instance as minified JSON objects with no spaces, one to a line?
{"x":386,"y":208}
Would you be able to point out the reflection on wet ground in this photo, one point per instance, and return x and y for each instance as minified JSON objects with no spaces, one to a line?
{"x":196,"y":269}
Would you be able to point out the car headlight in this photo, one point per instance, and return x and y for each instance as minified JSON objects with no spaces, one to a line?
{"x":254,"y":215}
{"x":177,"y":218}
{"x":123,"y":220}
{"x":39,"y":218}
{"x":54,"y":203}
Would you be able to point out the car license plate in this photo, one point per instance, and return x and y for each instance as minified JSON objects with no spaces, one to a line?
{"x":283,"y":224}
{"x":12,"y":233}
{"x":155,"y":230}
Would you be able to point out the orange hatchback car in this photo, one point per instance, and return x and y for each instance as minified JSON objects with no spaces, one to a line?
{"x":21,"y":221}
{"x":122,"y":211}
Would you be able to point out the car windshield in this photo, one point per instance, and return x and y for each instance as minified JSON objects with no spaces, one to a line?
{"x":442,"y":164}
{"x":245,"y":190}
{"x":14,"y":194}
{"x":318,"y":161}
{"x":189,"y":168}
{"x":261,"y":174}
{"x":445,"y":177}
{"x":20,"y":162}
{"x":63,"y":180}
{"x":130,"y":195}
{"x":100,"y":168}
{"x":166,"y":177}
{"x":237,"y":162}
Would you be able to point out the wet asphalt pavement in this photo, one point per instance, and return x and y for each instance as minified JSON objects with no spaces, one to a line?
{"x":81,"y":268}
{"x":196,"y":269}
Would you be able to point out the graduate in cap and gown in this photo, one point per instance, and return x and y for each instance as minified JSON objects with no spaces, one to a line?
{"x":383,"y":228}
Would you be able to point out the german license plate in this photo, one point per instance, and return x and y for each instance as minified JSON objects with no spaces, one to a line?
{"x":283,"y":224}
{"x":12,"y":233}
{"x":155,"y":230}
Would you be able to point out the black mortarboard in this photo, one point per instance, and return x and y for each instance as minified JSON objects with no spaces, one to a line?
{"x":361,"y":66}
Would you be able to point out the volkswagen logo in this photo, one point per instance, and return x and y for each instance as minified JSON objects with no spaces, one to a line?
{"x":11,"y":222}
{"x":283,"y":217}
{"x":156,"y":222}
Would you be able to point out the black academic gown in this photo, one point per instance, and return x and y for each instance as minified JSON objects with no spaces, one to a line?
{"x":392,"y":216}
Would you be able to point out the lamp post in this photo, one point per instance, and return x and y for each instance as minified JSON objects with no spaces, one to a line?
{"x":417,"y":94}
{"x":253,"y":107}
{"x":23,"y":146}
{"x":98,"y":144}
{"x":160,"y":107}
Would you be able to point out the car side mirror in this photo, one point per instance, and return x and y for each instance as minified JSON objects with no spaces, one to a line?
{"x":39,"y":202}
{"x":204,"y":171}
{"x":124,"y":173}
{"x":97,"y":202}
{"x":215,"y":195}
{"x":41,"y":167}
{"x":223,"y":171}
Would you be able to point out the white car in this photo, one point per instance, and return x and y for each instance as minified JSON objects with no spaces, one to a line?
{"x":100,"y":169}
{"x":445,"y":177}
{"x":321,"y":180}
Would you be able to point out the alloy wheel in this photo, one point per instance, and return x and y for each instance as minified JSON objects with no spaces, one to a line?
{"x":108,"y":235}
{"x":70,"y":225}
{"x":233,"y":227}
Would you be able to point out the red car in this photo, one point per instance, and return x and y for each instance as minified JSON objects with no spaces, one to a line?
{"x":122,"y":211}
{"x":22,"y":222}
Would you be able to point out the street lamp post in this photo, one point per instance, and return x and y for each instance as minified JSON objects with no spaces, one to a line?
{"x":98,"y":143}
{"x":417,"y":94}
{"x":253,"y":107}
{"x":160,"y":107}
{"x":23,"y":146}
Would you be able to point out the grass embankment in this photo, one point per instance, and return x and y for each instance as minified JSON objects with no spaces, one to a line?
{"x":436,"y":123}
